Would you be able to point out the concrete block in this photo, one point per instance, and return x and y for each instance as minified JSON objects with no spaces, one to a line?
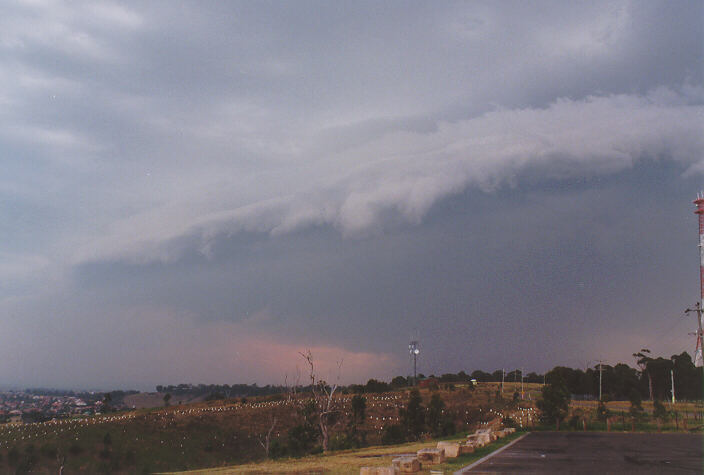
{"x":476,"y":440}
{"x":452,"y":449}
{"x":431,"y":456}
{"x":484,"y":435}
{"x":377,"y":471}
{"x":406,"y":464}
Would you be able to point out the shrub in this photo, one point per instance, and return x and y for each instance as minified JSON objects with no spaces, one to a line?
{"x":342,"y":442}
{"x":393,"y":434}
{"x":602,"y":412}
{"x":13,"y":456}
{"x":448,"y":426}
{"x":75,"y":450}
{"x":573,"y":423}
{"x":659,"y":411}
{"x":277,"y":449}
{"x":48,"y":451}
{"x":301,"y":438}
{"x":26,"y":464}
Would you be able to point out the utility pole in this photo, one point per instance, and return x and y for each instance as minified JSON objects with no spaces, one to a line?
{"x":601,"y":370}
{"x":698,"y":310}
{"x":503,"y":373}
{"x":672,"y":378}
{"x":521,"y":383}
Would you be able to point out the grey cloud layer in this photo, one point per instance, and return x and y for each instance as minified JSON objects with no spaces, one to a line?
{"x":135,"y":133}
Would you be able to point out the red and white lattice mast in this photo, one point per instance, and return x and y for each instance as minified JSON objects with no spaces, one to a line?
{"x":698,"y":360}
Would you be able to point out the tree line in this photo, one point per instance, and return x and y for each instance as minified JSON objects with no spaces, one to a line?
{"x":651,"y":380}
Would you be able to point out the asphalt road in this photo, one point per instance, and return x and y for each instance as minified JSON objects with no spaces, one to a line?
{"x":598,"y":452}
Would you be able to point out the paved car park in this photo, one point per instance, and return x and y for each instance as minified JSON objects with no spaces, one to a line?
{"x":597,"y":452}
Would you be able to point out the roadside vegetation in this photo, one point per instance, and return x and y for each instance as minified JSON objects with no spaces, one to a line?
{"x":559,"y":412}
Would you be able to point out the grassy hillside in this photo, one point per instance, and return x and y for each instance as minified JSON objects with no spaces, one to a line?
{"x":200,"y":435}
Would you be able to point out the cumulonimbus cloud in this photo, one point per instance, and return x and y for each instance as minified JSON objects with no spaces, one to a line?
{"x":405,"y":172}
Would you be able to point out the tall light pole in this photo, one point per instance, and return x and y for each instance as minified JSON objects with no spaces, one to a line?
{"x":414,"y":351}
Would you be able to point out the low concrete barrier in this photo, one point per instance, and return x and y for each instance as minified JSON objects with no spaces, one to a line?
{"x":406,"y":464}
{"x":431,"y":456}
{"x":452,"y":449}
{"x":476,"y":440}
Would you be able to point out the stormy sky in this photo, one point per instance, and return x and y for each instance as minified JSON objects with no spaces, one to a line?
{"x":197,"y":191}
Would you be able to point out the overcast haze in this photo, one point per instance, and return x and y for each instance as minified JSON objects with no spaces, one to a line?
{"x":196,"y":191}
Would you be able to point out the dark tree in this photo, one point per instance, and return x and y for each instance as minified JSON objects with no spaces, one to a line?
{"x":399,"y":382}
{"x":555,"y":402}
{"x":642,"y":360}
{"x":435,"y":413}
{"x":359,"y":407}
{"x":374,"y":386}
{"x":413,"y":416}
{"x":688,"y":379}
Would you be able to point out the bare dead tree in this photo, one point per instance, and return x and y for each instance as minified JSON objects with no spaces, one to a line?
{"x":265,"y":440}
{"x":61,"y":461}
{"x":291,"y":390}
{"x":326,"y":409}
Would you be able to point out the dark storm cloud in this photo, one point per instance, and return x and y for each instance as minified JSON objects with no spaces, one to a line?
{"x":341,"y":176}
